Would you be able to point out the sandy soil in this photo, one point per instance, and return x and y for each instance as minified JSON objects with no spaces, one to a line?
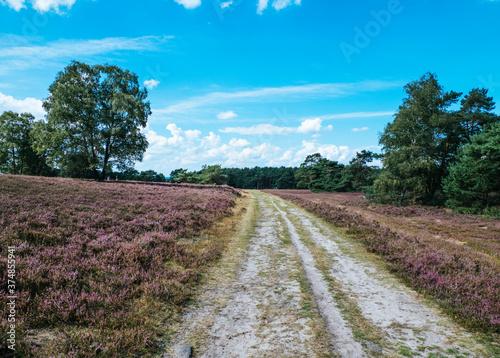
{"x":274,"y":300}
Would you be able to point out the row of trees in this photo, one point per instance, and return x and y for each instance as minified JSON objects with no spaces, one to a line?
{"x":316,"y":173}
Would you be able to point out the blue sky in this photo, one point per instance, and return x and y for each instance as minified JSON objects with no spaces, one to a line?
{"x":254,"y":82}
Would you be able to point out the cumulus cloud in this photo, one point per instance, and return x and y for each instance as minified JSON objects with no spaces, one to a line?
{"x":306,"y":127}
{"x":40,"y":5}
{"x":29,"y":105}
{"x":239,"y":142}
{"x":223,"y":5}
{"x":181,"y":138}
{"x":277,"y":4}
{"x":151,"y":83}
{"x":360,"y":129}
{"x":189,"y":4}
{"x":227,"y":115}
{"x":14,"y":4}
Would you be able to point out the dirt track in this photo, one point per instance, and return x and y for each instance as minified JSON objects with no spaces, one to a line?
{"x":296,"y":289}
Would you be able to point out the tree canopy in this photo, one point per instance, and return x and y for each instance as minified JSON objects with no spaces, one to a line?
{"x":320,"y":174}
{"x":421,"y":143}
{"x":94,"y":118}
{"x":474,"y":179}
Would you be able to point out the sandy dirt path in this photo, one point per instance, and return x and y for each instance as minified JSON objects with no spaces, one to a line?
{"x":295,"y":288}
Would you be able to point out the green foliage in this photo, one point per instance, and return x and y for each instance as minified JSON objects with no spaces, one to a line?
{"x":474,"y":179}
{"x":17,"y":155}
{"x":261,"y":177}
{"x":94,"y":117}
{"x":320,"y":174}
{"x":358,"y":176}
{"x":476,"y":111}
{"x":183,"y":176}
{"x":212,"y":175}
{"x":421,"y":143}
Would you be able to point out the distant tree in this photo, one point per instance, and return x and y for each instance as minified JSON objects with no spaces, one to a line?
{"x":17,"y":155}
{"x":183,"y":176}
{"x":474,"y":179}
{"x":94,"y":117}
{"x":420,"y":144}
{"x":212,"y":174}
{"x":150,"y":176}
{"x":358,"y":175}
{"x":320,"y":174}
{"x":174,"y":174}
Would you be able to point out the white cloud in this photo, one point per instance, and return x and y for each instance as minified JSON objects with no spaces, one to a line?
{"x":239,"y":142}
{"x":226,"y":4}
{"x":329,"y":151}
{"x":310,"y":126}
{"x":168,"y":153}
{"x":47,"y":5}
{"x":58,"y":53}
{"x":211,"y":141}
{"x":358,"y":115}
{"x":76,"y":48}
{"x":227,"y":115}
{"x":181,"y":138}
{"x":276,"y":94}
{"x":189,"y":4}
{"x":261,"y":6}
{"x":151,"y":83}
{"x":360,"y":129}
{"x":14,"y":4}
{"x":277,"y":4}
{"x":40,"y":5}
{"x":306,"y":127}
{"x":29,"y":105}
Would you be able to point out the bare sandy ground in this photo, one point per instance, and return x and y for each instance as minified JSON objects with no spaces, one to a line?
{"x":274,"y":300}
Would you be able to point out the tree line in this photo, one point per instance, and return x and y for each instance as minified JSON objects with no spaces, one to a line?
{"x":443,"y":147}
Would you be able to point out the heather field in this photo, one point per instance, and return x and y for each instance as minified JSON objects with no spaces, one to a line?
{"x":100,"y":267}
{"x":452,"y":257}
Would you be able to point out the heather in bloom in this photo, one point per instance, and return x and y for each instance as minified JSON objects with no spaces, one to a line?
{"x":99,"y":263}
{"x":463,"y":276}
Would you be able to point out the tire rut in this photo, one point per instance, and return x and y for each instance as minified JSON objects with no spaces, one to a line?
{"x":280,"y":303}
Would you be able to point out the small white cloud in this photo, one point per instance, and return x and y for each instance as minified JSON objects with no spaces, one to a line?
{"x":310,"y":126}
{"x":189,"y":4}
{"x":277,"y":4}
{"x":281,"y":4}
{"x":47,"y":5}
{"x":360,"y":129}
{"x":227,"y":115}
{"x":151,"y":83}
{"x":226,"y":4}
{"x":239,"y":142}
{"x":306,"y":127}
{"x":261,"y":6}
{"x":27,"y":105}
